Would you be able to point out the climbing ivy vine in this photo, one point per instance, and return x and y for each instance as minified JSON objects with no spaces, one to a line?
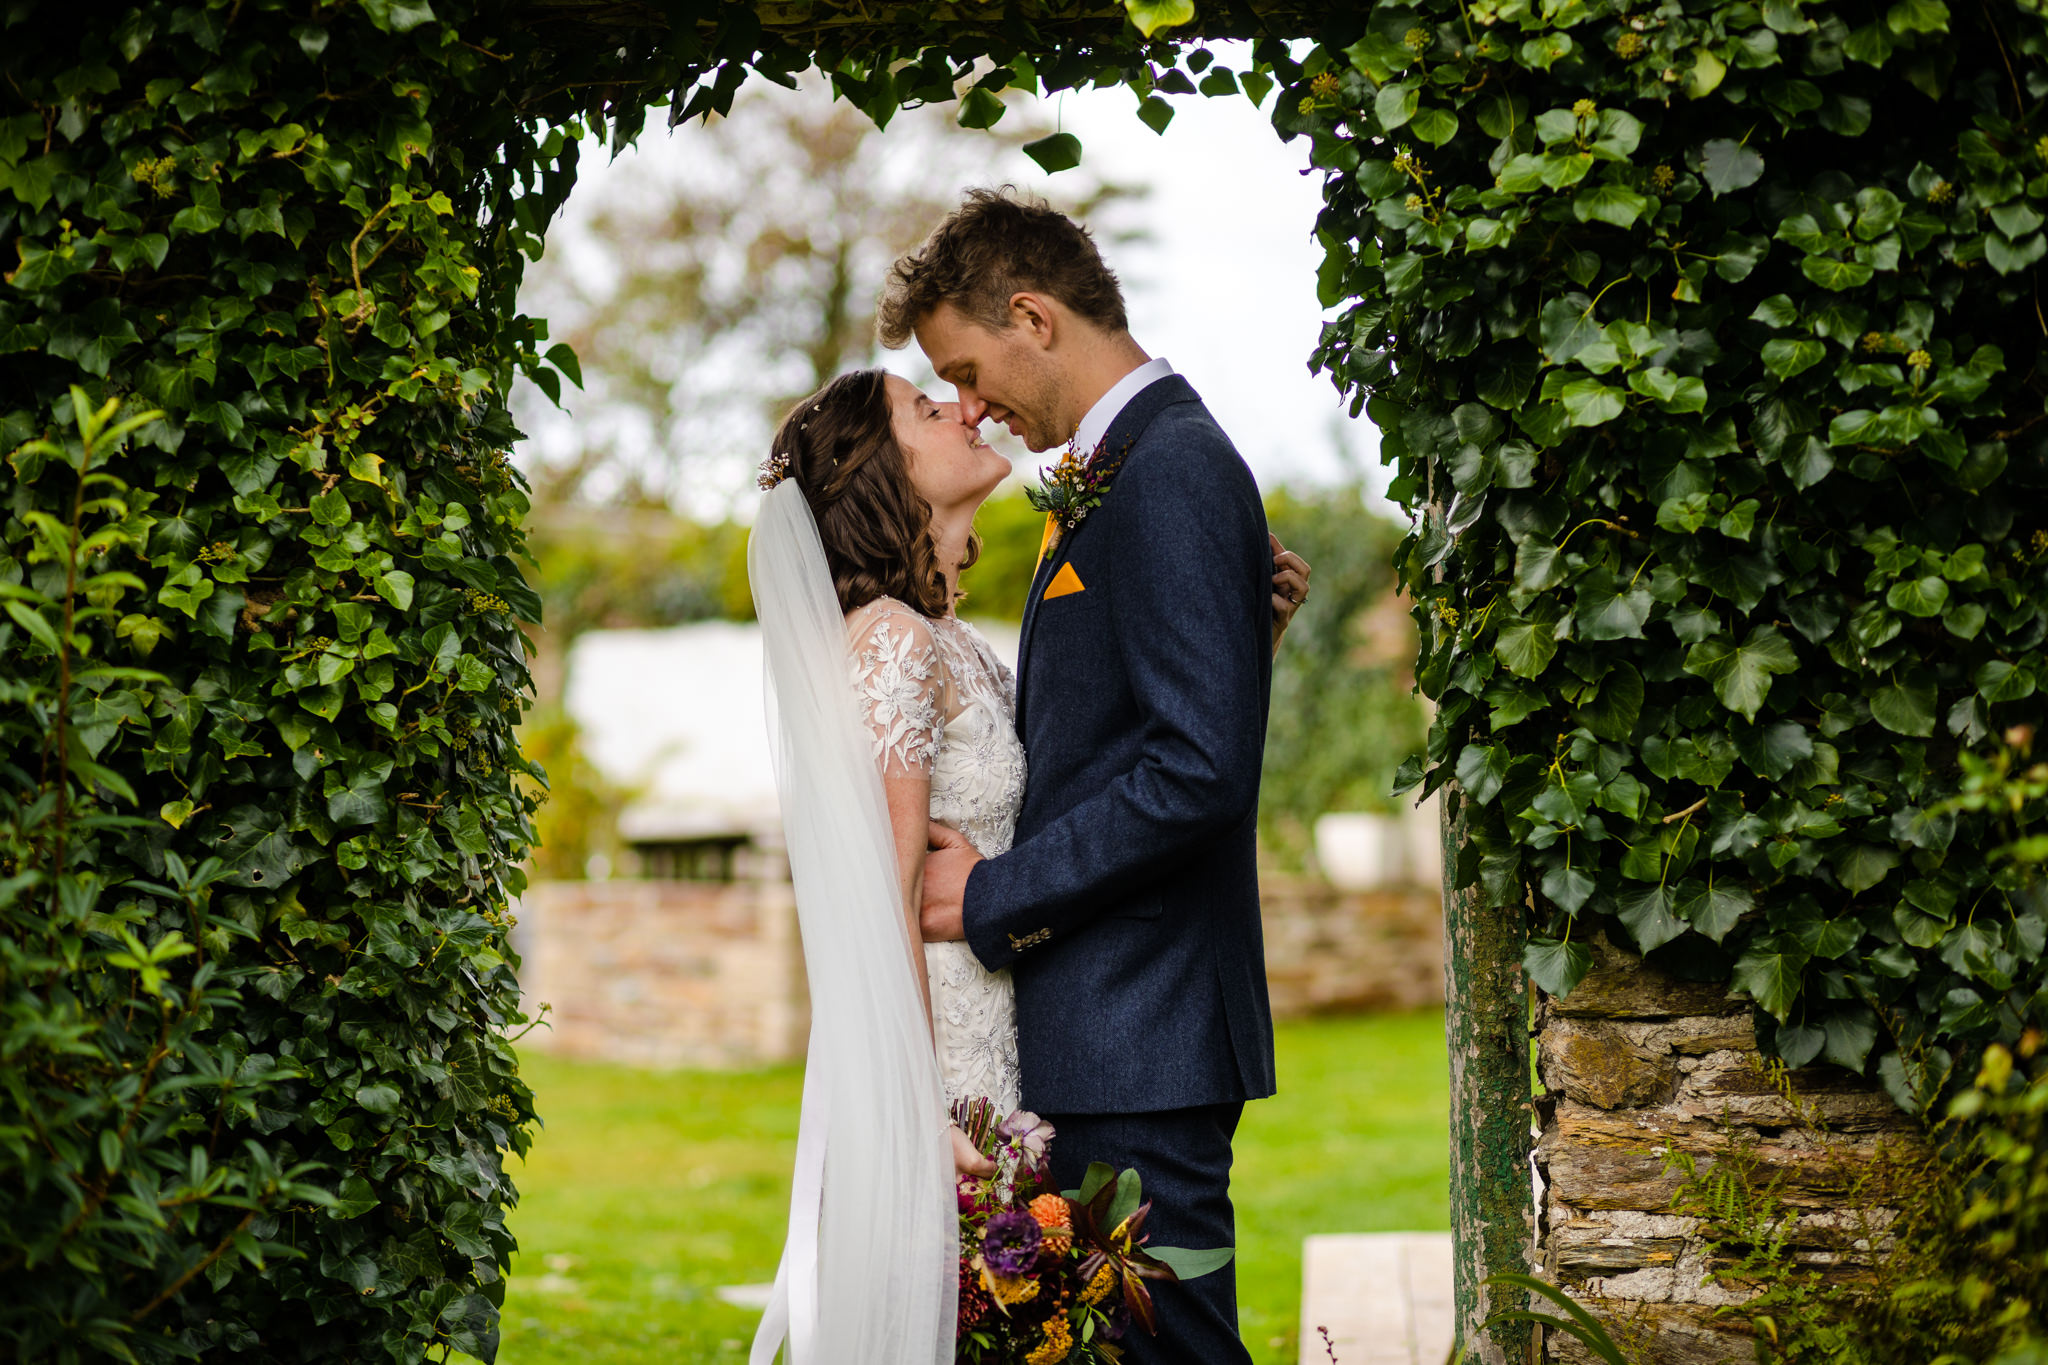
{"x":1706,"y":338}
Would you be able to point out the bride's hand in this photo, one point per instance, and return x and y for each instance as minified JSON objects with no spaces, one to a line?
{"x":967,"y":1158}
{"x":1290,"y":586}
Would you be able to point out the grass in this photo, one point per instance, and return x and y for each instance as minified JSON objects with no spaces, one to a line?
{"x":647,"y":1191}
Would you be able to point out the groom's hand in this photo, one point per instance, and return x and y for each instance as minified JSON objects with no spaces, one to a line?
{"x":946,"y":867}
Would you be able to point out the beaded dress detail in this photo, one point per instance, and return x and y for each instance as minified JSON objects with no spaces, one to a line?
{"x":939,"y":703}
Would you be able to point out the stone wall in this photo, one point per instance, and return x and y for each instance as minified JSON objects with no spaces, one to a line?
{"x":680,"y":973}
{"x":1330,"y":950}
{"x":1638,"y":1065}
{"x":664,"y":973}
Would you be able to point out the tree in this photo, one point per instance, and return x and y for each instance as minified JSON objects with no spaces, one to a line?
{"x":734,"y":271}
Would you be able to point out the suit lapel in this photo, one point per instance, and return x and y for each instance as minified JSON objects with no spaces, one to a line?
{"x":1129,"y":425}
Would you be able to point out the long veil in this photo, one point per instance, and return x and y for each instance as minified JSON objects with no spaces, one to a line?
{"x":869,"y":1267}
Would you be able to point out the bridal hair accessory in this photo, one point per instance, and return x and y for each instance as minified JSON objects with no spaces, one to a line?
{"x":775,"y":468}
{"x":1050,"y":1277}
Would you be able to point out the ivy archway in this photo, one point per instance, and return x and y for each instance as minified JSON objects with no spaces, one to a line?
{"x":1705,"y":337}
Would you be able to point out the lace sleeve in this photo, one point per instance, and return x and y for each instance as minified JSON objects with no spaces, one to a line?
{"x":900,"y":684}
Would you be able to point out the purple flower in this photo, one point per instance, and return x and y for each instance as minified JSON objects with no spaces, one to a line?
{"x":1026,"y":1131}
{"x":1009,"y":1245}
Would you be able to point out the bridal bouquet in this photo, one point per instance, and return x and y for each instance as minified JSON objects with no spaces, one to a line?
{"x":1050,"y":1277}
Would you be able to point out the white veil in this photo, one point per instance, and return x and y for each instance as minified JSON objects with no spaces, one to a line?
{"x":869,"y":1268}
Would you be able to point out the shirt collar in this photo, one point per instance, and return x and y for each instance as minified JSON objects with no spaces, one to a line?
{"x":1096,"y":424}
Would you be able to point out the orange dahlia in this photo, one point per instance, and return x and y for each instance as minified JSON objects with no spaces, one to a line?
{"x":1051,"y":1212}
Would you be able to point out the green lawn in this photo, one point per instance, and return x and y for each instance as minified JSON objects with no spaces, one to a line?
{"x":648,"y":1190}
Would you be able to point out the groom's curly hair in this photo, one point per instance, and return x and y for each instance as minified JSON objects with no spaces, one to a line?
{"x":840,"y":446}
{"x":996,"y":244}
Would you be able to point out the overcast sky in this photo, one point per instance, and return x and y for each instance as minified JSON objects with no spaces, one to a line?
{"x":1222,"y":282}
{"x":1224,"y":287}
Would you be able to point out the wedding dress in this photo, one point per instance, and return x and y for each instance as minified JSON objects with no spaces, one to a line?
{"x":869,"y":1266}
{"x":938,"y":702}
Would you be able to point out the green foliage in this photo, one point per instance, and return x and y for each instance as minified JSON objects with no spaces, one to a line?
{"x":1958,"y":1230}
{"x":1577,"y":1323}
{"x":1703,"y":341}
{"x":260,"y":668}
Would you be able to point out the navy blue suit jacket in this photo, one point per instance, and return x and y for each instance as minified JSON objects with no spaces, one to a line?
{"x":1128,"y":909}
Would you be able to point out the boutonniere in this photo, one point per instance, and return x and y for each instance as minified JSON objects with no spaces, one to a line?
{"x":1073,"y":488}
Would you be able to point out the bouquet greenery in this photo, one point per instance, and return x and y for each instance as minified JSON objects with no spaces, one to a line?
{"x":1054,"y":1277}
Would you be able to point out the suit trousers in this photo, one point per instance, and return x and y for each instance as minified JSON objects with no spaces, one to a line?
{"x":1183,"y":1158}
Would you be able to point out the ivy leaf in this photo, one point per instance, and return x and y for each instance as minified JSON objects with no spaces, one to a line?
{"x":2009,"y":257}
{"x":1538,"y":566}
{"x":1480,"y":770}
{"x":1999,"y":681}
{"x":1741,"y":674}
{"x":1851,"y":1033}
{"x":1505,"y":384}
{"x":1798,"y":1044}
{"x":1152,"y":16}
{"x":1918,"y":596}
{"x":260,"y":852}
{"x":1829,"y":273}
{"x":1669,"y":391}
{"x":1714,"y":910}
{"x":1772,"y":751}
{"x":1858,"y":867}
{"x":1060,"y":152}
{"x":378,"y":1099}
{"x":1611,"y":610}
{"x":1612,"y":713}
{"x":1917,"y":16}
{"x":1649,"y":918}
{"x":1527,"y":646}
{"x":1589,"y":403}
{"x":1556,"y":967}
{"x":1395,"y":104}
{"x":1785,"y":357}
{"x":1566,"y":327}
{"x":1568,"y":887}
{"x":1904,"y":709}
{"x":1771,"y":973}
{"x":980,"y":107}
{"x":1727,"y":165}
{"x":1610,"y":203}
{"x":1434,"y":126}
{"x":395,"y":587}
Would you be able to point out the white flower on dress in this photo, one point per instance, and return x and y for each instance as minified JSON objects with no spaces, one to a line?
{"x":897,"y":679}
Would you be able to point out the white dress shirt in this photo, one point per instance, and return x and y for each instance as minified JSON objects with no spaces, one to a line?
{"x":1096,"y":424}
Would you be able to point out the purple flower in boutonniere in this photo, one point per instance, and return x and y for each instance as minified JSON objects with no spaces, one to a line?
{"x":1074,"y":487}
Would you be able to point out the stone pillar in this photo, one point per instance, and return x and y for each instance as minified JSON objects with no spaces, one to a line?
{"x":1637,"y":1065}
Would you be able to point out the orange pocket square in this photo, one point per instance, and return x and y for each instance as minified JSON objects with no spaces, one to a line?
{"x":1065,"y":583}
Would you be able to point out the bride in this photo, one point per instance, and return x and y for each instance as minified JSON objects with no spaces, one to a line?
{"x":855,"y":561}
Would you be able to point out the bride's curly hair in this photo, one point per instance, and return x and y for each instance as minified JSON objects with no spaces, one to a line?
{"x":840,"y":446}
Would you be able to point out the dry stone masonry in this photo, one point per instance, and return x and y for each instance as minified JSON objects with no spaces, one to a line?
{"x":1638,"y":1065}
{"x":670,"y":973}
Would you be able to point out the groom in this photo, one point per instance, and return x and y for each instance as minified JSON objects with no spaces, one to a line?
{"x":1128,"y":909}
